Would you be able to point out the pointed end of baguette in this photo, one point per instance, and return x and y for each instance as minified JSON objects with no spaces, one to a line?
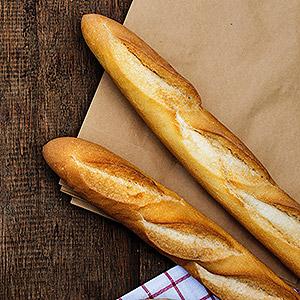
{"x":95,"y":30}
{"x":57,"y":153}
{"x":88,"y":24}
{"x":91,"y":20}
{"x":88,"y":18}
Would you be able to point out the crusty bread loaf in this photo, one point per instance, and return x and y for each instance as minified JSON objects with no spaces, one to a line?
{"x":215,"y":157}
{"x":164,"y":220}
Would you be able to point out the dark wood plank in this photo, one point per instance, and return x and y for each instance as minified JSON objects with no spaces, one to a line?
{"x":48,"y":248}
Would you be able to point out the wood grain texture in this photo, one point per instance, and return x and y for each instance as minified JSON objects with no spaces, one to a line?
{"x":50,"y":249}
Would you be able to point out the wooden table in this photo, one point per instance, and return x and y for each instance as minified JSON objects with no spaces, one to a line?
{"x":49,"y":248}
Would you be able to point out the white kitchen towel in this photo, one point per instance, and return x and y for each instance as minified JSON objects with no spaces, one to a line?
{"x":175,"y":284}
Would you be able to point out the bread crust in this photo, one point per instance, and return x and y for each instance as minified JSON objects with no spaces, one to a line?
{"x":164,"y":220}
{"x":171,"y":107}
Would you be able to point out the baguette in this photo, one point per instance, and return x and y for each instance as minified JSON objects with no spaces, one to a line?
{"x":164,"y":220}
{"x":220,"y":162}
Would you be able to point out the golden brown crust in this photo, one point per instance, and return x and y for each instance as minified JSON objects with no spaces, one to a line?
{"x":151,"y":59}
{"x":171,"y":107}
{"x":143,"y":51}
{"x":164,"y":220}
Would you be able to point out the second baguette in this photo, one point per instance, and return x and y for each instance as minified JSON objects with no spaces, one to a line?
{"x":164,"y":220}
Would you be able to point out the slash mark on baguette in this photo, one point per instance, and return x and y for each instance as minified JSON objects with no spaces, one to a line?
{"x":238,"y":288}
{"x":222,"y":163}
{"x":147,"y":80}
{"x":188,"y":242}
{"x":271,"y":218}
{"x":213,"y":156}
{"x":116,"y":187}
